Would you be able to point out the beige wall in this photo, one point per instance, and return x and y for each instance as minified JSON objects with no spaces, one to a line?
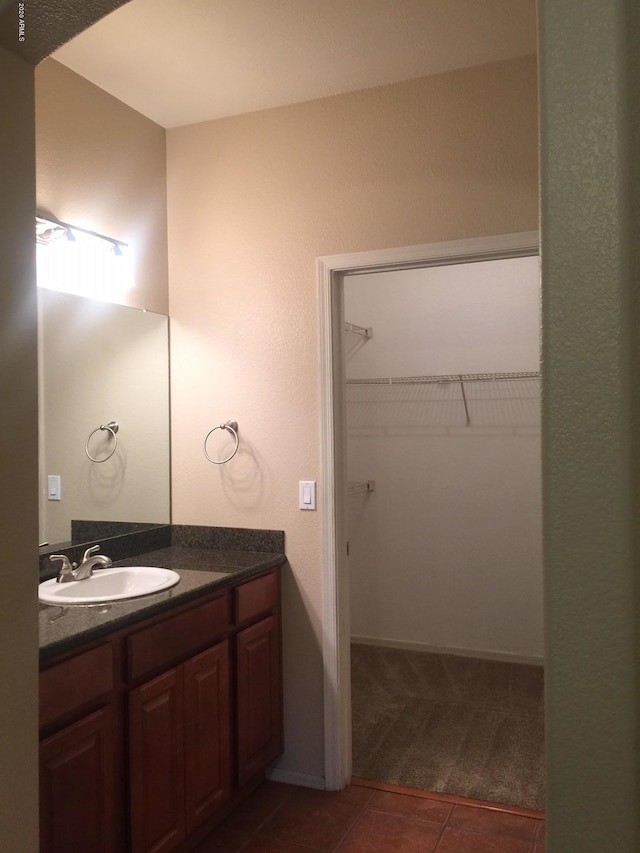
{"x":253,"y":200}
{"x":102,"y":166}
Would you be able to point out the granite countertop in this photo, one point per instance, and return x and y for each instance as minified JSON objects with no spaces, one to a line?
{"x":201,"y":570}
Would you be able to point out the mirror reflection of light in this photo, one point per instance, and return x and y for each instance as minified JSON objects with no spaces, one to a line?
{"x":85,"y":265}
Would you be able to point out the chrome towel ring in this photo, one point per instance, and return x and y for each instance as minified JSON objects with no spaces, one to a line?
{"x":230,"y":426}
{"x":111,"y":427}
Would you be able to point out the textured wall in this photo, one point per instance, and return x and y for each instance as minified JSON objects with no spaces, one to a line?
{"x":102,"y":166}
{"x":591,"y":197}
{"x":48,"y":24}
{"x":18,"y":470}
{"x":253,"y":201}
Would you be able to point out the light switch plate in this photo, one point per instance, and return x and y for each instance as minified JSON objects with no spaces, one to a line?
{"x":307,"y":494}
{"x":54,"y":487}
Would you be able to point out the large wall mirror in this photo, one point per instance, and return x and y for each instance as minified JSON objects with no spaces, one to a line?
{"x":98,"y":363}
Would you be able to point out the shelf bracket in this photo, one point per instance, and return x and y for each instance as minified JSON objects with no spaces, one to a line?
{"x":464,"y":400}
{"x":360,"y":488}
{"x":352,"y":329}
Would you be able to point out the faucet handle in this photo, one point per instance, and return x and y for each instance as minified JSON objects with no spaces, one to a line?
{"x":66,"y":565}
{"x":93,"y":550}
{"x":66,"y":568}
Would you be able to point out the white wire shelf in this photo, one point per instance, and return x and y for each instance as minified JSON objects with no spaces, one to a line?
{"x":462,"y":399}
{"x":453,"y":377}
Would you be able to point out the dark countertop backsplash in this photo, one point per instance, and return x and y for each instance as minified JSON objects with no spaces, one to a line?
{"x":121,"y":546}
{"x":207,"y":558}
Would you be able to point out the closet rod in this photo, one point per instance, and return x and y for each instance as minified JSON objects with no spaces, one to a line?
{"x":458,"y":377}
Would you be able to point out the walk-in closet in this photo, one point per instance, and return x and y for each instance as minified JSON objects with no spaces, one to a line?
{"x":444,"y":528}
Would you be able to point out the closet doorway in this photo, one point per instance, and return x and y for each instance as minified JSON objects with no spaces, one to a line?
{"x":415,"y":412}
{"x":444,"y":524}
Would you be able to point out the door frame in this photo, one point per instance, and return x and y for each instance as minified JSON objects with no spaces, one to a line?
{"x":331,"y":270}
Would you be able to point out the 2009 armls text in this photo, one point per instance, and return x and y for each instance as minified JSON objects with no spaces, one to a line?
{"x":21,"y":22}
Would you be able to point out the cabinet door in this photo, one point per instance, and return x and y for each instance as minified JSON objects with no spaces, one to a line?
{"x":259,"y":697}
{"x":207,"y":734}
{"x":78,"y":795}
{"x":157,"y":764}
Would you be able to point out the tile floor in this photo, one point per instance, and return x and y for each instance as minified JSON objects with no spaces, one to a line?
{"x":279,"y":818}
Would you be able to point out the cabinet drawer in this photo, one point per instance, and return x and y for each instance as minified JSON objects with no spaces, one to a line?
{"x":74,"y":683}
{"x":256,"y":597}
{"x":177,"y":637}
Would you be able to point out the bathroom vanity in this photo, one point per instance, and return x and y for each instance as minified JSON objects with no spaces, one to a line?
{"x":157,"y":714}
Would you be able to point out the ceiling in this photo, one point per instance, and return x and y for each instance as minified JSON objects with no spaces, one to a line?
{"x":185,"y":61}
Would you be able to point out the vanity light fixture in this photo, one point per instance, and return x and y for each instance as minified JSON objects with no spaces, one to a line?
{"x":75,"y":260}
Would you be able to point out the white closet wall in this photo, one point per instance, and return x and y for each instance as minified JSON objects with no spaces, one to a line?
{"x":446,"y":553}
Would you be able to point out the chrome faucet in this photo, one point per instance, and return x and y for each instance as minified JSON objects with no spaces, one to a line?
{"x":89,"y":563}
{"x":72,"y":572}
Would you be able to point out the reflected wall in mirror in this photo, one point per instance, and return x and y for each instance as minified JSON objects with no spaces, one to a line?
{"x":100,"y":362}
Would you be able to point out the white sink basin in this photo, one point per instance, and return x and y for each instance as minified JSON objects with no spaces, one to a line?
{"x":108,"y":585}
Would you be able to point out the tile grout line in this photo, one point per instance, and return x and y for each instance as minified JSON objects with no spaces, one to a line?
{"x":336,"y":849}
{"x":285,"y":801}
{"x":492,"y":833}
{"x":256,"y":832}
{"x":452,"y":799}
{"x":417,"y":794}
{"x":441,"y":836}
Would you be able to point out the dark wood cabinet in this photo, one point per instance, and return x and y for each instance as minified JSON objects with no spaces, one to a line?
{"x":156,"y":764}
{"x":207,"y":734}
{"x":179,"y":750}
{"x":79,"y":797}
{"x":150,"y":733}
{"x":259,"y":712}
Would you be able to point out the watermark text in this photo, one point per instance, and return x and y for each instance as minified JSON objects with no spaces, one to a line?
{"x":22,"y":28}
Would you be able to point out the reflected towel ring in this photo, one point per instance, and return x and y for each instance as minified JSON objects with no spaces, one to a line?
{"x":111,"y":427}
{"x":230,"y":426}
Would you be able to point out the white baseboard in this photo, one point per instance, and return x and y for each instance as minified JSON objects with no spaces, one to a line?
{"x":292,"y":777}
{"x":483,"y":654}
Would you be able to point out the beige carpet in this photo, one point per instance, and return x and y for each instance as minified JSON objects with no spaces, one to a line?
{"x":449,"y":724}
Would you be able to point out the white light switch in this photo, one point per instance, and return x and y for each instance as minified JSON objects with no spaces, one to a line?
{"x":54,"y":493}
{"x":307,"y":494}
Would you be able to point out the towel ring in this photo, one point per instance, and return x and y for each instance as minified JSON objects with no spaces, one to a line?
{"x":111,"y":427}
{"x":230,"y":426}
